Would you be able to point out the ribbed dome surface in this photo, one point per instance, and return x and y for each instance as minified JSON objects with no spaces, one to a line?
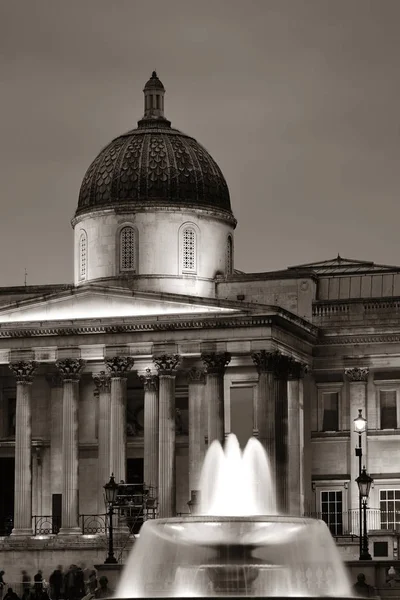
{"x":157,"y":164}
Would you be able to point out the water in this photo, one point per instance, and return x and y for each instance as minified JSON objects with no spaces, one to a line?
{"x":237,"y":544}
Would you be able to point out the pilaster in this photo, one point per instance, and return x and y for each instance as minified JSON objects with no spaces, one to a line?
{"x":151,"y":437}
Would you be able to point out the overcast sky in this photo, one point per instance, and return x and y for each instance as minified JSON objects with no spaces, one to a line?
{"x":298,"y":102}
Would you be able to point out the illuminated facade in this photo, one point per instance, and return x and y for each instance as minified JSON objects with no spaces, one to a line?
{"x":160,"y":346}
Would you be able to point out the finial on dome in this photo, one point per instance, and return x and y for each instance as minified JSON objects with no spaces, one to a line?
{"x":153,"y":103}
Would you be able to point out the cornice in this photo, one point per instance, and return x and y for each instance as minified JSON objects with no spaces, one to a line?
{"x":157,"y":323}
{"x":345,"y":340}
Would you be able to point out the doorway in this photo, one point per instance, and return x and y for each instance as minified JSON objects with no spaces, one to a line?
{"x":7,"y":468}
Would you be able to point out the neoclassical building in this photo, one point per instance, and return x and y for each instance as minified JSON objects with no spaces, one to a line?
{"x":160,"y":347}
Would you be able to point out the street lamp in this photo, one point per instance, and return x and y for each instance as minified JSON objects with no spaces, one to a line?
{"x":364,"y":482}
{"x":111,"y":491}
{"x":360,"y":427}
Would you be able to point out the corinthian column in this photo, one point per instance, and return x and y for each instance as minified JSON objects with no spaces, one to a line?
{"x":70,"y":370}
{"x":118,"y":368}
{"x":56,"y":409}
{"x":166,"y":366}
{"x":215,"y":365}
{"x":282,"y":367}
{"x":150,"y":384}
{"x":295,"y":479}
{"x":265,"y":410}
{"x":102,"y":382}
{"x":196,"y":439}
{"x":23,"y":371}
{"x":358,"y":378}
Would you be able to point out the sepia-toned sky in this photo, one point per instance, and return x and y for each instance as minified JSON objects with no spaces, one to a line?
{"x":297,"y":100}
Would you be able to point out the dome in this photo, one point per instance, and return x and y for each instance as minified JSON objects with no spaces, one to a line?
{"x":153,"y":164}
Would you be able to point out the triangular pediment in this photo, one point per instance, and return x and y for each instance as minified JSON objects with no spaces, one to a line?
{"x":339,"y":266}
{"x":104,"y":303}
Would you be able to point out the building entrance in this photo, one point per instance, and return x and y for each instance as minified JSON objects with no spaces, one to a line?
{"x":7,"y":466}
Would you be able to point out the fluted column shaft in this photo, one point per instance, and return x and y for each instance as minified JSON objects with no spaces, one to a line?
{"x":23,"y":372}
{"x":118,"y":368}
{"x":102,"y":382}
{"x":151,"y":441}
{"x":265,"y":409}
{"x":215,"y":365}
{"x":166,"y":366}
{"x":196,"y":444}
{"x":56,"y":399}
{"x":296,"y":439}
{"x":70,"y":371}
{"x":358,"y":379}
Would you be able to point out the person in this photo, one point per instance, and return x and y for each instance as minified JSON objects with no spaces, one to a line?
{"x":38,"y":581}
{"x":55,"y":581}
{"x":103,"y":591}
{"x":92,"y":582}
{"x":362,"y":588}
{"x":2,"y":584}
{"x":26,"y":582}
{"x":11,"y":595}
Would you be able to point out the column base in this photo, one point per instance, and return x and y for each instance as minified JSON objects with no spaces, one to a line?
{"x":22,"y":531}
{"x":70,"y":531}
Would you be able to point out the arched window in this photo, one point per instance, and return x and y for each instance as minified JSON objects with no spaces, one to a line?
{"x":127,"y":245}
{"x":83,"y":256}
{"x":229,"y":255}
{"x":189,"y":250}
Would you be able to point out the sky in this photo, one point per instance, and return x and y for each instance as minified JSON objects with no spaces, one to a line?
{"x":297,"y":101}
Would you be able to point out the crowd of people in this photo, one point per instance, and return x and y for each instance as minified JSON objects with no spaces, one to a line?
{"x":77,"y":583}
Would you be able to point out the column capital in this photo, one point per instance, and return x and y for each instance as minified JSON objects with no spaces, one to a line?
{"x":23,"y":370}
{"x":357,"y":374}
{"x":102,"y":381}
{"x":265,"y":361}
{"x":118,"y":366}
{"x":167,"y":364}
{"x":70,"y":369}
{"x":196,"y":375}
{"x":54,"y":379}
{"x":149,"y":380}
{"x":297,"y":369}
{"x":216,"y":362}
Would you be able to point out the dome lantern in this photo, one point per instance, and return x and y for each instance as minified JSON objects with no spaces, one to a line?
{"x":153,"y":102}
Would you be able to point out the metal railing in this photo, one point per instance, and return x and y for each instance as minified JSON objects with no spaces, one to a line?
{"x":46,"y":524}
{"x":348,"y":522}
{"x":93,"y":524}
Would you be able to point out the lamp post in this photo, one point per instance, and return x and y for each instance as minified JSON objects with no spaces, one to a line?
{"x":111,"y":491}
{"x":364,"y":482}
{"x":360,"y":427}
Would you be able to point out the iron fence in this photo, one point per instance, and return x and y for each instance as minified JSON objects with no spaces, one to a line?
{"x":46,"y":524}
{"x":348,"y":522}
{"x":93,"y":524}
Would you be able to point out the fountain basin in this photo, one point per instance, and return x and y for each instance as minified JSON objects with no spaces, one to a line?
{"x":212,"y":556}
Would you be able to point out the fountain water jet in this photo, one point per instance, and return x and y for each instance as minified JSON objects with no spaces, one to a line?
{"x":237,"y":544}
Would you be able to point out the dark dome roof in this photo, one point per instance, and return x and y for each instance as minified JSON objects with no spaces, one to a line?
{"x":153,"y":164}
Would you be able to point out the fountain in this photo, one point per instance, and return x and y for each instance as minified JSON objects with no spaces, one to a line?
{"x":238,"y":544}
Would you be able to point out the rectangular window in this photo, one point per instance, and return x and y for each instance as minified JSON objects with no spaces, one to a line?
{"x":332,"y":511}
{"x":388,"y":409}
{"x":330,"y":411}
{"x":390,"y":509}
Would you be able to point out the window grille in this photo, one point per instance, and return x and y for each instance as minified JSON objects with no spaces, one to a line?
{"x":388,"y":407}
{"x":390,"y":509}
{"x":330,"y":415}
{"x":128,"y":249}
{"x":82,"y":256}
{"x":229,"y":256}
{"x":189,"y":250}
{"x":332,"y":511}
